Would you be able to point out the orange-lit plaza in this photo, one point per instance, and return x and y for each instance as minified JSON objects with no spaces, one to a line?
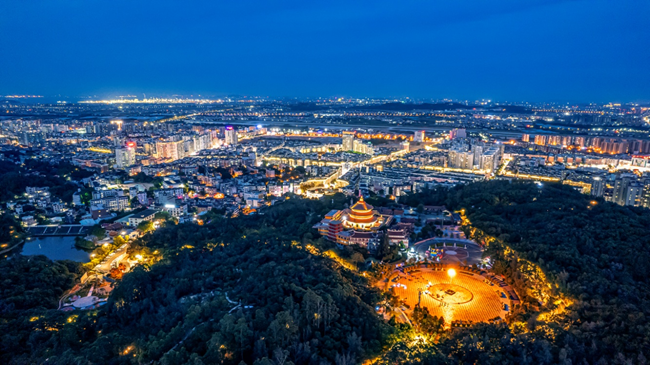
{"x":467,"y":297}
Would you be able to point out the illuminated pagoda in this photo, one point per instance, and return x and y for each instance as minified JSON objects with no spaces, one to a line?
{"x":361,"y":216}
{"x":359,"y":225}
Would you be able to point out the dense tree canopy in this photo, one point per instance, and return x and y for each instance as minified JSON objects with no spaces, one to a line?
{"x":29,"y":288}
{"x":10,"y":229}
{"x":594,"y":254}
{"x":231,"y":290}
{"x":250,"y":289}
{"x":14,"y":178}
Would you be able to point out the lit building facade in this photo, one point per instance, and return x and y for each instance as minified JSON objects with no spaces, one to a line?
{"x":231,"y":136}
{"x":125,"y":156}
{"x":457,"y":133}
{"x":361,"y":216}
{"x":348,"y":141}
{"x":172,"y":150}
{"x":360,"y":225}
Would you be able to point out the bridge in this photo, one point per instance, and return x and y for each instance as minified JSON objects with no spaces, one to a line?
{"x":62,"y":230}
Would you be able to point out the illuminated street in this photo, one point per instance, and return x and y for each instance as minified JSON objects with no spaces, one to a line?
{"x":117,"y":256}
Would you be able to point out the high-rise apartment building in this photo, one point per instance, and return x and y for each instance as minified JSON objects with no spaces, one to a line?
{"x":418,"y":136}
{"x":461,"y":159}
{"x":125,"y":156}
{"x":457,"y":133}
{"x":363,"y":147}
{"x":173,"y":150}
{"x":540,"y":140}
{"x":597,"y":186}
{"x":645,"y":195}
{"x":405,"y":145}
{"x":490,"y":159}
{"x":634,"y":194}
{"x":348,"y":141}
{"x":620,"y":187}
{"x":478,"y":152}
{"x":202,"y":142}
{"x":231,"y":136}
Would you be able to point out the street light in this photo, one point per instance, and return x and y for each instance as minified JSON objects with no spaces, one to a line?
{"x":451,"y":273}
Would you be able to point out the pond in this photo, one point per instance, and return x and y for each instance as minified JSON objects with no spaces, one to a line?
{"x":55,"y":248}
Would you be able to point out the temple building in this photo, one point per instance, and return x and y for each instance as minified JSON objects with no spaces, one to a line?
{"x":361,"y":216}
{"x":360,"y":225}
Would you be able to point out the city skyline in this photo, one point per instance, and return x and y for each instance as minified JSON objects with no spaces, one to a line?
{"x":537,"y":51}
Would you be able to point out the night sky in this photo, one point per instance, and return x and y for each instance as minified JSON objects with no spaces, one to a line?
{"x":502,"y":50}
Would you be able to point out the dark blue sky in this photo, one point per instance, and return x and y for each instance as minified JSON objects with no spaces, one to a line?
{"x":542,"y":50}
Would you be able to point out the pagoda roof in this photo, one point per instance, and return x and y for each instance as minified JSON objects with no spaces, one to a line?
{"x":361,"y":205}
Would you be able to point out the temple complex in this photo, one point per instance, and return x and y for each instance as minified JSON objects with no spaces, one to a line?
{"x":362,"y":225}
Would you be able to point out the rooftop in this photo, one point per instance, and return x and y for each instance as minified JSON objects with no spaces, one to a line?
{"x":144,"y":214}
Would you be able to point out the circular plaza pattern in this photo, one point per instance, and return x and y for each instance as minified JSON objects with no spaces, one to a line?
{"x":449,"y":293}
{"x":470,"y":298}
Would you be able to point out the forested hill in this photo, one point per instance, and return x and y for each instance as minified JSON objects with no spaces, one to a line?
{"x":594,"y":252}
{"x":249,"y":289}
{"x":233,"y":290}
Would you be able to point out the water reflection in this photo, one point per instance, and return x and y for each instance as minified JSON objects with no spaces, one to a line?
{"x":55,"y":248}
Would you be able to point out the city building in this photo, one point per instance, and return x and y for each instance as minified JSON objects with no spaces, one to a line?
{"x":361,"y":216}
{"x":231,"y":136}
{"x":457,"y":133}
{"x":358,"y":225}
{"x":597,"y":186}
{"x":363,"y":147}
{"x":540,"y":139}
{"x":645,"y":198}
{"x":348,"y":141}
{"x":554,"y":140}
{"x":173,"y":150}
{"x":634,"y":194}
{"x":461,"y":158}
{"x":112,"y":203}
{"x":125,"y":156}
{"x":490,"y":159}
{"x":145,"y":215}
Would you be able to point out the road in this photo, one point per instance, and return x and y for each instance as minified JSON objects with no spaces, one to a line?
{"x":11,"y":247}
{"x":118,"y":255}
